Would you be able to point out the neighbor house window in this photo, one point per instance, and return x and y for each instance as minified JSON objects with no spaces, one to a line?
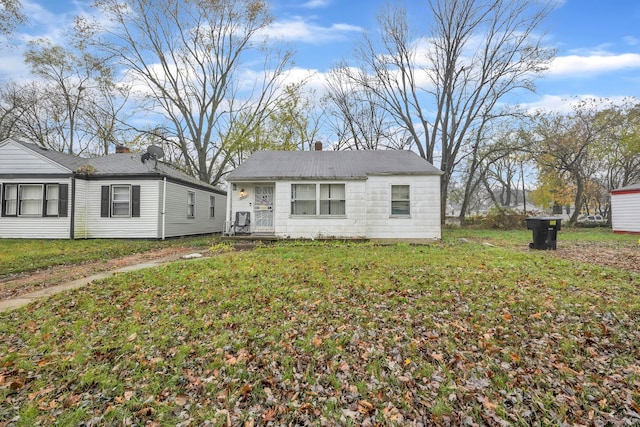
{"x":121,"y":201}
{"x":52,"y":197}
{"x":35,"y":200}
{"x":303,"y":199}
{"x":212,"y":206}
{"x":332,"y":199}
{"x":191,"y":204}
{"x":10,"y":202}
{"x":400,"y":201}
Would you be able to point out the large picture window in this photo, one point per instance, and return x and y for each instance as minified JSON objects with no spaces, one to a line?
{"x":311,"y":199}
{"x":400,"y":200}
{"x":35,"y":200}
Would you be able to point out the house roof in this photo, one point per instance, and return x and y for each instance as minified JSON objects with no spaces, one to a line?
{"x":117,"y":165}
{"x":634,"y":188}
{"x":282,"y":165}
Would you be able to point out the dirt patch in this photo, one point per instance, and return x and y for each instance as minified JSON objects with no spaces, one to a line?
{"x":23,"y":283}
{"x":620,"y":257}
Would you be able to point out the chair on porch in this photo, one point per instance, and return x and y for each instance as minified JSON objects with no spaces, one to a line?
{"x":242,"y":222}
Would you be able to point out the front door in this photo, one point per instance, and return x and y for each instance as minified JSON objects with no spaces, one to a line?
{"x":263,"y":209}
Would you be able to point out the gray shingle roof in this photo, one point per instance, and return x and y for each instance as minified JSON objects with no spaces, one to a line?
{"x":120,"y":164}
{"x":278,"y":165}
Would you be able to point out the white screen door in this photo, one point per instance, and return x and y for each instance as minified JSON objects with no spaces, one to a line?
{"x":263,"y":209}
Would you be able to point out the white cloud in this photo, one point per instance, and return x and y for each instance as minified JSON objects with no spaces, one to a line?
{"x":298,"y":29}
{"x":631,"y":40}
{"x":593,"y":64}
{"x":316,"y":4}
{"x":565,"y":103}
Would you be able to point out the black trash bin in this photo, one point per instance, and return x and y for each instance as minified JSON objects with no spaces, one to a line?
{"x":545,"y":232}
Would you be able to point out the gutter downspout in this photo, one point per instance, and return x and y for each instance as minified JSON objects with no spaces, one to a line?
{"x":164,"y":205}
{"x":73,"y":208}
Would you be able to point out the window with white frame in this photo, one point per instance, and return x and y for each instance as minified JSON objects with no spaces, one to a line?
{"x":212,"y":206}
{"x":332,"y":199}
{"x":314,"y":199}
{"x":121,"y":201}
{"x":30,"y":200}
{"x":34,"y":200}
{"x":52,"y":199}
{"x":400,"y":200}
{"x":303,"y":199}
{"x":10,"y":202}
{"x":191,"y":204}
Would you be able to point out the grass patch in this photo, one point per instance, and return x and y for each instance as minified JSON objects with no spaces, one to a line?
{"x":24,"y":255}
{"x":332,"y":333}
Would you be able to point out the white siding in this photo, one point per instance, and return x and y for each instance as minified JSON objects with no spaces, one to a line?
{"x":350,"y":225}
{"x":176,"y":221}
{"x":625,"y":212}
{"x":89,"y":224}
{"x":36,"y":227}
{"x":424,"y":219}
{"x":367,"y":210}
{"x":17,"y":159}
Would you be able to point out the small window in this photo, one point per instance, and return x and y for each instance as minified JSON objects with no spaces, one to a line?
{"x":400,"y":201}
{"x":303,"y":199}
{"x":191,"y":204}
{"x":121,"y":201}
{"x":52,"y":200}
{"x":332,"y":199}
{"x":212,"y":206}
{"x":10,"y":204}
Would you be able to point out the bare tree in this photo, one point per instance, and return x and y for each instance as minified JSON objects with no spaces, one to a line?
{"x":187,"y":57}
{"x":478,"y":52}
{"x":11,"y":14}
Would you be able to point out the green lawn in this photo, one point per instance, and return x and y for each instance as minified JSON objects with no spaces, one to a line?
{"x":24,"y":255}
{"x":333,"y":333}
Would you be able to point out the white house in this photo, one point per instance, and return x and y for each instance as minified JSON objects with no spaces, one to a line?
{"x":625,"y":209}
{"x":52,"y":195}
{"x":335,"y":194}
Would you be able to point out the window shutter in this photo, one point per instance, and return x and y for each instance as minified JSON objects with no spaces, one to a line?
{"x":104,"y":202}
{"x":63,"y":200}
{"x":135,"y":201}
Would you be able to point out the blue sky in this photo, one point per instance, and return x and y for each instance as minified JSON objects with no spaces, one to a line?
{"x":598,"y":41}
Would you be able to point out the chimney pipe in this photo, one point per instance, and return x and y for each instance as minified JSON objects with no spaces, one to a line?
{"x":318,"y":146}
{"x":122,"y":149}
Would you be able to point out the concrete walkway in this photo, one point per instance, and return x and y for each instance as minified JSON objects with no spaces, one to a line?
{"x":22,"y":300}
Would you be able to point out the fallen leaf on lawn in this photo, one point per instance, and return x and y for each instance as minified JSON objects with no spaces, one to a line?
{"x":145,"y":412}
{"x":270,"y":415}
{"x":18,"y":383}
{"x":181,"y":400}
{"x":132,"y":337}
{"x":507,"y":316}
{"x":317,"y":341}
{"x":514,"y":357}
{"x":364,"y":407}
{"x":437,"y":356}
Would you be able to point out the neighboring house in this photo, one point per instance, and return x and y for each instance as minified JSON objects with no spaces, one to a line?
{"x":53,"y":195}
{"x":625,"y":209}
{"x":336,"y":194}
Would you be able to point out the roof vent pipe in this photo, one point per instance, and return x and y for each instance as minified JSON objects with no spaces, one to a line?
{"x":318,"y":146}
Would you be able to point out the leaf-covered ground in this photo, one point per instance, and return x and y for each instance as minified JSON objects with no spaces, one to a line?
{"x":333,"y":334}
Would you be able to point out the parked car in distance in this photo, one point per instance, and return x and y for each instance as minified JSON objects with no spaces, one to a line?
{"x":591,"y":220}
